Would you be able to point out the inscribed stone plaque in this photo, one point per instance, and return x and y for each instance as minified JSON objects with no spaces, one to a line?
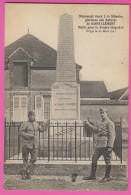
{"x":65,"y":101}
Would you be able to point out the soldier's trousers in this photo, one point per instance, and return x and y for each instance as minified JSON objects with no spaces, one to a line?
{"x":102,"y":151}
{"x":25,"y":156}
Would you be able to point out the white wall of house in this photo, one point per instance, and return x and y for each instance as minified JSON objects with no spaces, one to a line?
{"x":114,"y":112}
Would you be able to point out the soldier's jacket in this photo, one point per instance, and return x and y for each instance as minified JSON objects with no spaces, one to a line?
{"x":106,"y":133}
{"x":29,"y":131}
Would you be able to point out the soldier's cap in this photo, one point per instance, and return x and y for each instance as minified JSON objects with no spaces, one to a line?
{"x":31,"y":113}
{"x":103,"y":109}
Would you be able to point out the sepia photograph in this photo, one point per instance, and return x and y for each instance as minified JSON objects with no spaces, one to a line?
{"x":66,"y":88}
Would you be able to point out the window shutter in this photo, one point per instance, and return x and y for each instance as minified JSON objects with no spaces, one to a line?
{"x":19,"y":108}
{"x":16,"y":102}
{"x":16,"y":107}
{"x":24,"y":108}
{"x":39,"y":107}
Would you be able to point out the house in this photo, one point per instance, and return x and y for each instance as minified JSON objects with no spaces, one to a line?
{"x":30,"y":71}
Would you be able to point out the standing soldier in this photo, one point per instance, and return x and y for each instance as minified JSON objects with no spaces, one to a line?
{"x":106,"y":137}
{"x":29,"y":131}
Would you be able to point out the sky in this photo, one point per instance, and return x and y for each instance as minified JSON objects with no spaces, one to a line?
{"x":104,"y":56}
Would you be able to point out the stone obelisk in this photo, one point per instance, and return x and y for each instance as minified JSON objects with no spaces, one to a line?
{"x":65,"y":100}
{"x":65,"y":68}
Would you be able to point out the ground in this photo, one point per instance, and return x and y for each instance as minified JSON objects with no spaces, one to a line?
{"x":14,"y":182}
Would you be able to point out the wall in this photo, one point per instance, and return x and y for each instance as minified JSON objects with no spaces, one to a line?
{"x":6,"y":105}
{"x":77,"y":74}
{"x":114,"y":112}
{"x":42,"y":78}
{"x":45,"y":78}
{"x":6,"y":79}
{"x":39,"y":78}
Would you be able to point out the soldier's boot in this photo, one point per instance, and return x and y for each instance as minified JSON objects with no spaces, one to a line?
{"x":93,"y":172}
{"x":23,"y":174}
{"x":23,"y":170}
{"x":28,"y":175}
{"x":28,"y":166}
{"x":107,"y":174}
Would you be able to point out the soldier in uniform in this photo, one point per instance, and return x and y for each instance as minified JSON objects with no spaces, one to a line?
{"x":29,"y":131}
{"x":106,"y":137}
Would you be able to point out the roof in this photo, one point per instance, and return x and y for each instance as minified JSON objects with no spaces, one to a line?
{"x":19,"y":54}
{"x":42,"y":54}
{"x":116,"y":95}
{"x":93,"y":89}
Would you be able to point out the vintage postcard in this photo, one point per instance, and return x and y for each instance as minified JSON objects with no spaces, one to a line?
{"x":66,"y":88}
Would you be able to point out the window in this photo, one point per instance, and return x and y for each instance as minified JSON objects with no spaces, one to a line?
{"x":39,"y":107}
{"x":19,"y":108}
{"x":46,"y":107}
{"x":20,"y":74}
{"x":42,"y":107}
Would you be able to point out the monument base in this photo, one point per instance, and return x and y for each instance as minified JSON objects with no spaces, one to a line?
{"x":67,"y":139}
{"x":66,"y":128}
{"x":64,"y":122}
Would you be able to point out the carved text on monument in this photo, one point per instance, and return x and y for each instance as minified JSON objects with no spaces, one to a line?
{"x":65,"y":101}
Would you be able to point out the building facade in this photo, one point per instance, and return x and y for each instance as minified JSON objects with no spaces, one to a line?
{"x":30,"y":71}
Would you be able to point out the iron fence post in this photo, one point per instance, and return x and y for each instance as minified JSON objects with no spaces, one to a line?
{"x":18,"y":142}
{"x":49,"y":142}
{"x":5,"y":140}
{"x":9,"y":139}
{"x":75,"y":144}
{"x":80,"y":142}
{"x":121,"y":136}
{"x":62,"y":142}
{"x":66,"y":140}
{"x":39,"y":145}
{"x":53,"y":143}
{"x":57,"y":139}
{"x":13,"y":146}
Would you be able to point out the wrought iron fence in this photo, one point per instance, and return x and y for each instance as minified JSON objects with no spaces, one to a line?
{"x":68,"y":142}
